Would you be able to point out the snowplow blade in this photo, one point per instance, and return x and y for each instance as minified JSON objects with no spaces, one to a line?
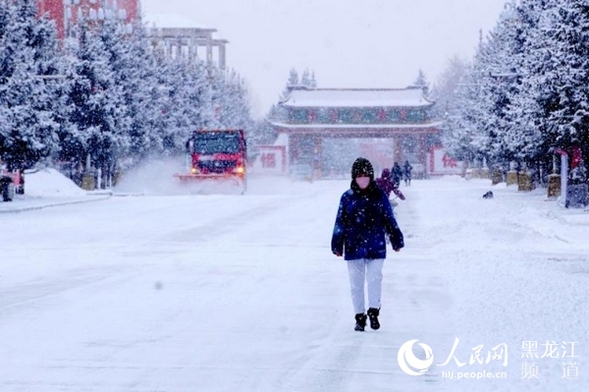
{"x":213,"y":183}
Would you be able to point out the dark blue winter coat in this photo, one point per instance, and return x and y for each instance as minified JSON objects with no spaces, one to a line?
{"x":363,"y":219}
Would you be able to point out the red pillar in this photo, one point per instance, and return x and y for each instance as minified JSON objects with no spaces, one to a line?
{"x":318,"y":158}
{"x":397,"y":153}
{"x":423,"y":152}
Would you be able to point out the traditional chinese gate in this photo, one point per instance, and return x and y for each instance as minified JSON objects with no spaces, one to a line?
{"x":310,"y":116}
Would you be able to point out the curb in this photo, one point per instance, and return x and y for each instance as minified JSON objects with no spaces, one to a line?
{"x":56,"y":204}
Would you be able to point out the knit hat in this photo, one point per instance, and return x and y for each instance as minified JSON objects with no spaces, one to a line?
{"x":362,"y":166}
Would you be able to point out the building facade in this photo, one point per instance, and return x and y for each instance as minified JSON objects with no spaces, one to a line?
{"x":66,"y":13}
{"x":187,"y":42}
{"x":170,"y":38}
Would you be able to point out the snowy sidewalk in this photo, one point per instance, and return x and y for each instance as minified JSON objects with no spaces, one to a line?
{"x":49,"y":188}
{"x":516,"y":270}
{"x":22,"y":204}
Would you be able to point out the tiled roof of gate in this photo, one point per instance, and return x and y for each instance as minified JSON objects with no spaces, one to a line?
{"x":408,"y":97}
{"x":433,"y":124}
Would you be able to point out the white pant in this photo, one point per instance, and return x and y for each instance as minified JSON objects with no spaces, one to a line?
{"x":370,"y":271}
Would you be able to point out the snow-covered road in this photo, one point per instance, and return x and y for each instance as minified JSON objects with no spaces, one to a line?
{"x":241,"y":293}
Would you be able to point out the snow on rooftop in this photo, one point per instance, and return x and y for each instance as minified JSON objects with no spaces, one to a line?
{"x":281,"y":140}
{"x":410,"y":97}
{"x":170,"y":20}
{"x":346,"y":126}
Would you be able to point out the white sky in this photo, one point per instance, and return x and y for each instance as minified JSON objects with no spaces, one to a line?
{"x":348,"y":43}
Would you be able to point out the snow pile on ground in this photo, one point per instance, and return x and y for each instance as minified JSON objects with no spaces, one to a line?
{"x":50,"y":183}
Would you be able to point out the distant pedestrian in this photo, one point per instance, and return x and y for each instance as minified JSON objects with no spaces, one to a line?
{"x":364,"y":218}
{"x":407,"y":168}
{"x":396,"y":174}
{"x":385,"y":182}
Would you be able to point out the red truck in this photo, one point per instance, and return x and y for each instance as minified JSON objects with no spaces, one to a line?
{"x":219,"y":155}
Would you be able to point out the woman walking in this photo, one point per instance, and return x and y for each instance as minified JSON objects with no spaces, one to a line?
{"x":363,"y":219}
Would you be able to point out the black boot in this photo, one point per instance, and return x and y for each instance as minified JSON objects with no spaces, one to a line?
{"x":360,"y":322}
{"x":373,"y":315}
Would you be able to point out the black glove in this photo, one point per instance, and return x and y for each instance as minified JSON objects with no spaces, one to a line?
{"x":396,"y":245}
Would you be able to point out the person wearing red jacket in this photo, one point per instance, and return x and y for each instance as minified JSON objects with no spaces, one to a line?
{"x":385,"y":182}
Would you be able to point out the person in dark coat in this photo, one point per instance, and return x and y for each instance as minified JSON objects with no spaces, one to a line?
{"x":397,"y":174}
{"x":364,"y":218}
{"x":407,"y":168}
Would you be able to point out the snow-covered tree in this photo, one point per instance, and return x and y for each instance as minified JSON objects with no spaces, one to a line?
{"x":313,"y":81}
{"x":566,"y":74}
{"x":464,"y":135}
{"x":499,"y":83}
{"x":494,"y":108}
{"x":444,"y":90}
{"x":94,"y":104}
{"x":293,"y":78}
{"x":142,"y":94}
{"x":28,"y":58}
{"x":262,"y":133}
{"x":293,"y":81}
{"x":306,"y":80}
{"x":523,"y":138}
{"x":233,"y":107}
{"x":422,"y":82}
{"x":188,"y":101}
{"x":460,"y":133}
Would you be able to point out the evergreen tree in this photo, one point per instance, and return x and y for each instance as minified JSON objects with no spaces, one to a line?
{"x":528,"y":136}
{"x":293,"y":78}
{"x":464,"y":134}
{"x":292,"y":82}
{"x":235,"y":108}
{"x":28,"y":58}
{"x":262,"y":133}
{"x":188,"y":103}
{"x":143,"y":96}
{"x":460,"y":130}
{"x":125,"y":89}
{"x":94,"y":104}
{"x":313,"y":82}
{"x":444,"y":91}
{"x":306,"y":79}
{"x":422,"y":82}
{"x":499,"y":84}
{"x":568,"y":31}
